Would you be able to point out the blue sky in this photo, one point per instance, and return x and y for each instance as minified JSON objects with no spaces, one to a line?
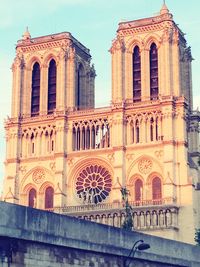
{"x":92,"y":22}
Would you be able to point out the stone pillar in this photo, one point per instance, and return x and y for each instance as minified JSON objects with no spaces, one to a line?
{"x":118,"y":68}
{"x":71,"y":78}
{"x":44,"y":89}
{"x":145,"y":75}
{"x":61,"y":81}
{"x":176,"y":64}
{"x":18,"y":72}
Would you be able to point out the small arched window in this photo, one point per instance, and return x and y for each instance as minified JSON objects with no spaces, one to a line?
{"x":52,"y":86}
{"x":138,"y":190}
{"x":156,"y":188}
{"x":49,"y":194}
{"x":153,"y":72}
{"x":32,"y":198}
{"x":136,"y":75}
{"x":35,"y":94}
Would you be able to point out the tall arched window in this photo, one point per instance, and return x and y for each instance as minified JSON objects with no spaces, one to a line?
{"x":153,"y":71}
{"x":138,"y":190}
{"x":35,"y":95}
{"x":52,"y":86}
{"x":136,"y":75}
{"x":32,"y":198}
{"x":49,"y":194}
{"x":156,"y":188}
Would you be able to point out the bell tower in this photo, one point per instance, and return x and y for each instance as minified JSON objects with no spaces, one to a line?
{"x":51,"y":75}
{"x":150,"y":59}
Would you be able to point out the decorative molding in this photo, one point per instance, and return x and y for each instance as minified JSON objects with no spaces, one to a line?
{"x":145,"y":165}
{"x":38,"y":176}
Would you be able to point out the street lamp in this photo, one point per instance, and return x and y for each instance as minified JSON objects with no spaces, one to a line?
{"x":138,"y":245}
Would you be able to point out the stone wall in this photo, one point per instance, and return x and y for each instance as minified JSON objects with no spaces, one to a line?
{"x":33,"y":237}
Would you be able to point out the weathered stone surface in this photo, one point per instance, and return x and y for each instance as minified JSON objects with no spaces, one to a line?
{"x":41,"y":238}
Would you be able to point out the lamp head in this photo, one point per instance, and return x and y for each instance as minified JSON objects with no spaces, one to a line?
{"x":143,"y":246}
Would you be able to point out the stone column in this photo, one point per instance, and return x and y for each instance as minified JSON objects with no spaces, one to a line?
{"x":18,"y":70}
{"x":71,"y":78}
{"x":61,"y":81}
{"x":44,"y":89}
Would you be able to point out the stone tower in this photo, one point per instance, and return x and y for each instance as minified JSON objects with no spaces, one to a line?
{"x":66,"y":156}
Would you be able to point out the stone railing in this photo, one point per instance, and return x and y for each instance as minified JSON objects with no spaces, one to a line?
{"x":87,"y":208}
{"x":147,"y":214}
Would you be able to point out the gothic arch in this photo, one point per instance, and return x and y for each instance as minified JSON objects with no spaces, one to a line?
{"x":131,"y":43}
{"x":134,"y":178}
{"x":28,"y":174}
{"x":36,"y":57}
{"x":44,"y":186}
{"x":152,"y":175}
{"x":152,"y":38}
{"x":132,"y":186}
{"x":48,"y":56}
{"x":28,"y":187}
{"x":155,"y":191}
{"x":154,"y":161}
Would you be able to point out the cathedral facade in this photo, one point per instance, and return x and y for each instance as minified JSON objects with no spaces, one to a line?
{"x":66,"y":156}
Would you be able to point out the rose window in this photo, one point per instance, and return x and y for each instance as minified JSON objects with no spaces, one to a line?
{"x":93,"y":184}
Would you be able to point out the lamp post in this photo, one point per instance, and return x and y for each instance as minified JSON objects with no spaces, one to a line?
{"x":138,"y":245}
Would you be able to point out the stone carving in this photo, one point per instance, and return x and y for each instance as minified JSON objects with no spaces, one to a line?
{"x":52,"y":165}
{"x":145,"y":165}
{"x":158,"y":154}
{"x":93,"y":184}
{"x":111,"y":157}
{"x":22,"y":169}
{"x":38,"y":176}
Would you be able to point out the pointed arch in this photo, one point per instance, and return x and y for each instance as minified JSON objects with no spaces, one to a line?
{"x":153,"y":58}
{"x":49,"y":197}
{"x":156,"y":188}
{"x":35,"y":92}
{"x":138,"y":189}
{"x":136,"y":64}
{"x":52,"y":74}
{"x":32,"y":196}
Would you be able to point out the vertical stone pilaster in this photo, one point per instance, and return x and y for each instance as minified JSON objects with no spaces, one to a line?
{"x":71,"y":80}
{"x":43,"y":89}
{"x":18,"y":69}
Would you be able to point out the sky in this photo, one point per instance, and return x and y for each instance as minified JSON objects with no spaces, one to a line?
{"x":94,"y":24}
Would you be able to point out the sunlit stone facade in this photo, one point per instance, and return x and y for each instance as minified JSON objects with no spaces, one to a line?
{"x":66,"y":156}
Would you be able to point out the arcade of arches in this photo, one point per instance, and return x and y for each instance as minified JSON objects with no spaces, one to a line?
{"x":66,"y":156}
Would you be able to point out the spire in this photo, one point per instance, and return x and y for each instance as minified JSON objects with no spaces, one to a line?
{"x":26,"y":35}
{"x":164,"y":9}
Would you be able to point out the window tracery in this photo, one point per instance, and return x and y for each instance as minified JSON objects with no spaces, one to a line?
{"x":91,"y":134}
{"x":144,"y":127}
{"x":93,"y":184}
